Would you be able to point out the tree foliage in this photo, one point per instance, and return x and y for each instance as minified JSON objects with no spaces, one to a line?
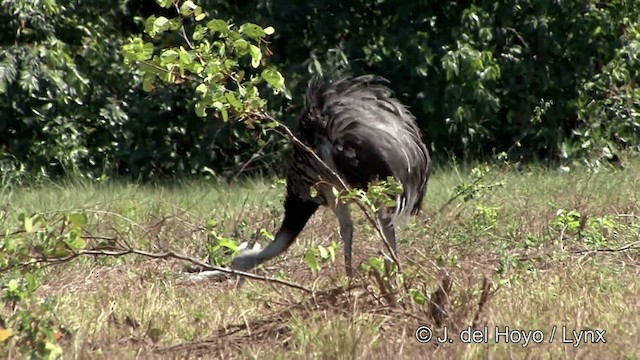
{"x":539,"y":79}
{"x":476,"y":72}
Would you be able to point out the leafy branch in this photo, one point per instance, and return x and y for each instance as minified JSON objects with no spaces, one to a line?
{"x":213,"y":58}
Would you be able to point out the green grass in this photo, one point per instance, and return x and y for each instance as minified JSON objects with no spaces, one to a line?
{"x":542,"y":272}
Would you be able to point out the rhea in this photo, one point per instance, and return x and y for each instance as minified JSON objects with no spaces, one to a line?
{"x":363,"y":134}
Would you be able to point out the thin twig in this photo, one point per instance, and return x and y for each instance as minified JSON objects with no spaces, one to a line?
{"x":633,"y":245}
{"x":630,"y":246}
{"x":465,"y":190}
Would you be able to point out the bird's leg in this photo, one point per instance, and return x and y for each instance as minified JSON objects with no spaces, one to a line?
{"x":388,"y":230}
{"x":297,"y":213}
{"x":346,"y":234}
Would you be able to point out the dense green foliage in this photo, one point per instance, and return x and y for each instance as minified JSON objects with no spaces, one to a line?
{"x":541,"y":79}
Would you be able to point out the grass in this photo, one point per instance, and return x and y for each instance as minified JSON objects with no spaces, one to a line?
{"x":504,"y":258}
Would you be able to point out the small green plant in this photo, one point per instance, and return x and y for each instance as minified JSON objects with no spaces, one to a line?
{"x":477,"y":185}
{"x":592,"y":231}
{"x":597,"y":230}
{"x":418,"y":296}
{"x":567,"y":221}
{"x":485,"y":219}
{"x":388,"y":280}
{"x":40,"y":237}
{"x":540,"y":111}
{"x":375,"y":264}
{"x":316,"y":256}
{"x":220,"y":248}
{"x":279,"y":183}
{"x":380,"y":193}
{"x":505,"y":262}
{"x":31,"y":326}
{"x":530,"y":242}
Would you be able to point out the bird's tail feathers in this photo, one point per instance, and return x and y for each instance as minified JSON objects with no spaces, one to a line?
{"x":402,"y":209}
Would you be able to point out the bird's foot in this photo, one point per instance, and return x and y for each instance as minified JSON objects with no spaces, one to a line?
{"x":247,"y":259}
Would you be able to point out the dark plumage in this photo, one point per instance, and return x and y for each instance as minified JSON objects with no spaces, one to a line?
{"x":363,"y":134}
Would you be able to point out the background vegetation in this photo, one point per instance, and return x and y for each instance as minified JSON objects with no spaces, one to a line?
{"x":543,"y":79}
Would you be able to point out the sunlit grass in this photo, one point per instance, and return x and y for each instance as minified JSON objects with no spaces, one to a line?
{"x":135,"y":306}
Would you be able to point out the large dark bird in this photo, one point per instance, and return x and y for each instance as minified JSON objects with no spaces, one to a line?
{"x":363,"y":134}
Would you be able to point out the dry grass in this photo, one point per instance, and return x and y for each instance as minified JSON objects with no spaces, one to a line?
{"x":498,"y":260}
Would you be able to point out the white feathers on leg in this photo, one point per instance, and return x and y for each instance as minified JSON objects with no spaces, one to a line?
{"x":249,"y":259}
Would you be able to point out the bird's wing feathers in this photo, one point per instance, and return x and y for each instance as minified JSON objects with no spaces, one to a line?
{"x":369,"y":135}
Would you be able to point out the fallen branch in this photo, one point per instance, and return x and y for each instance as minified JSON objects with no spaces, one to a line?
{"x":163,"y":255}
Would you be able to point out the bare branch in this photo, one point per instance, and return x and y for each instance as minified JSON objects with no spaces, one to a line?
{"x":164,"y":255}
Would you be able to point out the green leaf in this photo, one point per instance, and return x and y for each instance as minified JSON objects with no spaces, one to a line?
{"x":187,"y":7}
{"x":53,"y":351}
{"x":165,"y":3}
{"x":143,"y":51}
{"x":12,"y":285}
{"x":32,"y":282}
{"x":78,"y":219}
{"x":28,"y":224}
{"x":202,"y":88}
{"x":174,"y":24}
{"x":242,"y":45}
{"x":198,"y":33}
{"x":418,"y":296}
{"x":225,"y":114}
{"x":273,"y":78}
{"x":266,"y":234}
{"x":147,"y":84}
{"x":185,"y":57}
{"x":233,"y":101}
{"x":227,"y":243}
{"x":335,"y":192}
{"x":168,"y":56}
{"x":256,"y":55}
{"x":201,"y":17}
{"x":218,"y":25}
{"x":269,"y":30}
{"x":201,"y":109}
{"x":75,"y":241}
{"x":310,"y":259}
{"x":252,"y":30}
{"x":160,"y":24}
{"x":148,"y":26}
{"x":324,"y":254}
{"x":376,"y":263}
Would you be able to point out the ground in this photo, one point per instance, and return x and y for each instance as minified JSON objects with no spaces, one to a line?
{"x":535,"y":250}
